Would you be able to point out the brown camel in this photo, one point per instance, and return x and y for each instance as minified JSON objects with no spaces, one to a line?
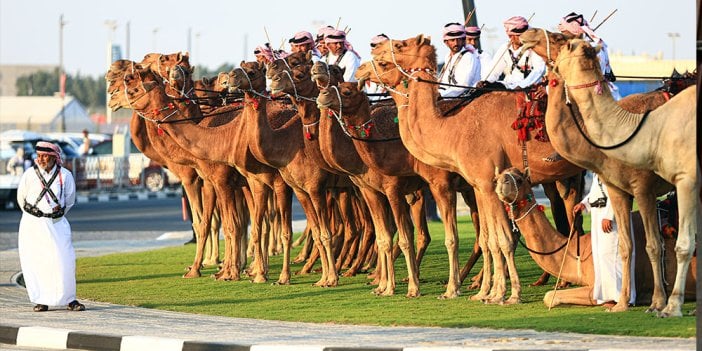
{"x":222,"y":178}
{"x":260,"y":177}
{"x":192,"y":183}
{"x":373,"y":185}
{"x":621,"y":179}
{"x":376,"y":139}
{"x":657,"y":141}
{"x":514,"y":190}
{"x":338,"y":153}
{"x":458,"y":143}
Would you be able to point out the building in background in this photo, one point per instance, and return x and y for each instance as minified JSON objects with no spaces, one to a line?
{"x":43,"y":114}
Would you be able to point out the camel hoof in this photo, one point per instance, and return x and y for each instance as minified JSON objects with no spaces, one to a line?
{"x":412,"y":295}
{"x":513,"y":301}
{"x":281,"y":282}
{"x":259,"y":279}
{"x":192,"y":273}
{"x":349,"y":274}
{"x":494,"y":301}
{"x":449,"y":295}
{"x":667,"y":313}
{"x":619,"y":307}
{"x":478,"y":297}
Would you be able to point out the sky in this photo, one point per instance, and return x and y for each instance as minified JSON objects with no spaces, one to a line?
{"x":227,"y":31}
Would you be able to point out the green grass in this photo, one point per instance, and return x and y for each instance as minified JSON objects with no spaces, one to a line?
{"x":153,"y":280}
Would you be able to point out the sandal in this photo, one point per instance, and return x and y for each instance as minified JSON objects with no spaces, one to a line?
{"x":75,"y":306}
{"x":41,"y":308}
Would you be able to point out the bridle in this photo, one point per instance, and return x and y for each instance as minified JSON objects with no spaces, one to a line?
{"x":251,"y":88}
{"x":383,"y":84}
{"x":328,"y":72}
{"x":294,"y":86}
{"x":156,"y":111}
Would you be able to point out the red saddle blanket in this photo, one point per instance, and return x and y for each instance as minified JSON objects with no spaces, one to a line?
{"x":530,"y":117}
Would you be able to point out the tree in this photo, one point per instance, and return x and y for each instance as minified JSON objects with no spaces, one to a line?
{"x":88,"y":90}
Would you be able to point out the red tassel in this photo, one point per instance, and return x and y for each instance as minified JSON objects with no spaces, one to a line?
{"x":308,"y":135}
{"x":159,"y":131}
{"x":553,"y":82}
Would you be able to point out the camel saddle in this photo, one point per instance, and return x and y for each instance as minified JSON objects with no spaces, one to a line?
{"x":530,"y":116}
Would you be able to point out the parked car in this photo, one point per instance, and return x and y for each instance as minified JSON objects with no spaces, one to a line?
{"x":141,"y":169}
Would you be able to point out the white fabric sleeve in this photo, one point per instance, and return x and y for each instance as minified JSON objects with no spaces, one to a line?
{"x":69,"y":189}
{"x":538,"y":68}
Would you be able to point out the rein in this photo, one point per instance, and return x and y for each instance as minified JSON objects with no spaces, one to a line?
{"x":344,"y":125}
{"x":516,"y":230}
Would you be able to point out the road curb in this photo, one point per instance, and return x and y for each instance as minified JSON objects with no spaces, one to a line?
{"x":56,"y":338}
{"x":126,"y":196}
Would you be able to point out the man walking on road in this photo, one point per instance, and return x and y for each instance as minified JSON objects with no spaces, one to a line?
{"x":46,"y":192}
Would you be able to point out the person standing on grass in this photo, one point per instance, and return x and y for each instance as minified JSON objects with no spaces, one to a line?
{"x":605,"y":245}
{"x":47,"y":192}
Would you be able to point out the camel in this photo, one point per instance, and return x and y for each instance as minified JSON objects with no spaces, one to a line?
{"x":378,"y":189}
{"x":201,"y":194}
{"x":259,"y":177}
{"x":458,"y":143}
{"x":514,"y":190}
{"x":219,"y":175}
{"x":656,"y":140}
{"x":329,"y":148}
{"x":376,"y":139}
{"x":621,"y":179}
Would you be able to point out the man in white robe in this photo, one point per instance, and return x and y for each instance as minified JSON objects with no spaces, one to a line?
{"x":46,"y":192}
{"x":342,"y":54}
{"x":461,"y":65}
{"x":605,"y":245}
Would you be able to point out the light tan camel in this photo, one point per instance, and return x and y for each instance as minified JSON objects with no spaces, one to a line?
{"x":472,"y":142}
{"x":220,"y":176}
{"x":376,"y":139}
{"x":621,"y":179}
{"x":547,"y":247}
{"x":201,"y":194}
{"x":658,"y":141}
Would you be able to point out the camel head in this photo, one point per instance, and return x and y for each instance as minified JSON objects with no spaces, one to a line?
{"x":382,"y":73}
{"x":137,"y":86}
{"x":411,"y":54}
{"x":160,"y":63}
{"x":325,"y":75}
{"x":577,"y":63}
{"x":249,"y":76}
{"x":345,"y":97}
{"x":297,"y":82}
{"x":180,"y":77}
{"x":289,"y":62}
{"x":535,"y":39}
{"x":512,"y":187}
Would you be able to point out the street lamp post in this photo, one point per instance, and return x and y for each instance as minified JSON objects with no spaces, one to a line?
{"x":111,"y":26}
{"x":672,"y":37}
{"x":61,"y":78}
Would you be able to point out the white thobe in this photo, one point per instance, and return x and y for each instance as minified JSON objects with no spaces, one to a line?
{"x":348,"y":61}
{"x":605,"y":249}
{"x":502,"y":63}
{"x":45,"y":250}
{"x":459,"y":69}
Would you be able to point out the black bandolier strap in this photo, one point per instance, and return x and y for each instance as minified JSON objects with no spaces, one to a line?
{"x":33,"y":209}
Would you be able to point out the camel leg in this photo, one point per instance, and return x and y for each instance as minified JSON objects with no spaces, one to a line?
{"x":283,"y":206}
{"x":212,"y":244}
{"x":203,"y":208}
{"x":349,"y":230}
{"x":577,"y":296}
{"x":446,"y":202}
{"x":314,"y":216}
{"x":419,"y":218}
{"x":384,"y":275}
{"x":259,"y":193}
{"x":508,"y":243}
{"x":400,"y":210}
{"x":654,"y":244}
{"x":367,"y":239}
{"x":226,"y":204}
{"x":621,"y":205}
{"x":687,"y":191}
{"x":487,"y":245}
{"x":469,"y":198}
{"x":307,"y":247}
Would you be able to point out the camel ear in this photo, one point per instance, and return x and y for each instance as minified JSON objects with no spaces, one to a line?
{"x":497,"y":172}
{"x":420,"y":39}
{"x":205,"y":81}
{"x":361,"y":83}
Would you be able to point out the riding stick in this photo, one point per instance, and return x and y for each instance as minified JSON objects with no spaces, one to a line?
{"x":593,"y":16}
{"x":605,"y":20}
{"x":560,"y":270}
